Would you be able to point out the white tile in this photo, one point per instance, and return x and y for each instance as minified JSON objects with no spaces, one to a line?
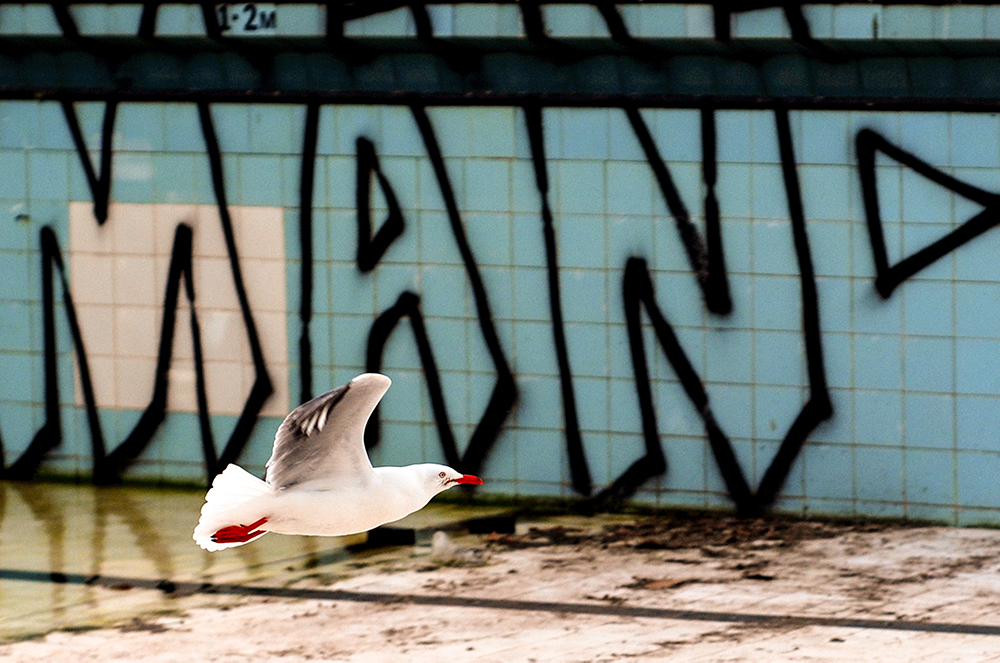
{"x":85,"y":235}
{"x":259,"y":232}
{"x":207,"y":237}
{"x":136,"y":331}
{"x":223,"y":336}
{"x":165,"y":220}
{"x":213,"y":285}
{"x":182,"y":395}
{"x":133,"y":227}
{"x":209,"y":240}
{"x":92,"y":279}
{"x":273,"y":334}
{"x":224,"y":384}
{"x":183,"y":347}
{"x":277,"y":405}
{"x":161,"y":270}
{"x":102,"y":375}
{"x":265,"y":284}
{"x":135,"y":281}
{"x":136,"y":377}
{"x":95,"y":321}
{"x":119,"y":276}
{"x":101,"y":378}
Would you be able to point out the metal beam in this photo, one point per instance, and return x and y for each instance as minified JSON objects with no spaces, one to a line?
{"x":739,"y":73}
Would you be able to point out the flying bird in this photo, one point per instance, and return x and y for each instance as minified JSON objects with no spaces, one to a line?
{"x":319,"y":480}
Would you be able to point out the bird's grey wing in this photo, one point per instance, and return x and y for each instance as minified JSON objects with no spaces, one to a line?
{"x":322,"y":441}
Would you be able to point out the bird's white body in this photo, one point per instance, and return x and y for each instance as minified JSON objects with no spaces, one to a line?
{"x":388,"y":495}
{"x":320,"y":481}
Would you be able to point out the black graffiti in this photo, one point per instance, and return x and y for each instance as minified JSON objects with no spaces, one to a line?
{"x":533,"y":19}
{"x":408,"y":305}
{"x":707,"y":262}
{"x":505,"y":392}
{"x":810,"y":72}
{"x":100,"y":184}
{"x":155,"y":413}
{"x":262,"y":387}
{"x":108,"y":467}
{"x":306,"y":184}
{"x":638,"y":295}
{"x":579,"y":472}
{"x":724,"y":10}
{"x":49,"y":435}
{"x":888,"y":277}
{"x":371,"y":249}
{"x":637,"y":292}
{"x":817,"y":407}
{"x":705,"y":257}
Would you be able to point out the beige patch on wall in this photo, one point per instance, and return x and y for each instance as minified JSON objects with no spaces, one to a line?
{"x":118,"y":276}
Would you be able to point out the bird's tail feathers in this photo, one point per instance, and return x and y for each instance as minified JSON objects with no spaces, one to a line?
{"x":230,"y":516}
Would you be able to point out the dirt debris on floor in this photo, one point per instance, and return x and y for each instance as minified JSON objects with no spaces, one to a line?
{"x":695,"y":532}
{"x":573,"y":589}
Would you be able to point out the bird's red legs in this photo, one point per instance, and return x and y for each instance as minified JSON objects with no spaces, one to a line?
{"x":239,"y":533}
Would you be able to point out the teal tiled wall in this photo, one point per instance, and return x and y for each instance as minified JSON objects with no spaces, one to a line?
{"x":912,"y":377}
{"x":644,"y":21}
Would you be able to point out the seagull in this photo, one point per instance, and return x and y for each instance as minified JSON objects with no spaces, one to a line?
{"x":319,"y":480}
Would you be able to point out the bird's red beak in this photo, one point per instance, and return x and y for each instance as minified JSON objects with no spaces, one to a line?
{"x":468,"y":478}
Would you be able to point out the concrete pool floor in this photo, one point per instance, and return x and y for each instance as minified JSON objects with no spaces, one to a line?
{"x":112,"y":574}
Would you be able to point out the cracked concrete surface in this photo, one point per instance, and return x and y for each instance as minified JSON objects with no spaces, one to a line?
{"x":558,"y":589}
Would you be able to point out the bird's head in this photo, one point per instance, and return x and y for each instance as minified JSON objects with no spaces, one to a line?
{"x":441,"y":477}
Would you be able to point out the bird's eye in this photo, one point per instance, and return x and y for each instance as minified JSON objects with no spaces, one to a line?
{"x":442,"y":474}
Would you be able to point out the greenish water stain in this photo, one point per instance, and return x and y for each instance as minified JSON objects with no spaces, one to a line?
{"x":62,"y":544}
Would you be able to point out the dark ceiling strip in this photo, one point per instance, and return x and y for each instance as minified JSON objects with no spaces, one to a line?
{"x":737,"y":75}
